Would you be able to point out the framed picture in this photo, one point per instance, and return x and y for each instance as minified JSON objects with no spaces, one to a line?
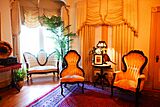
{"x":98,"y":59}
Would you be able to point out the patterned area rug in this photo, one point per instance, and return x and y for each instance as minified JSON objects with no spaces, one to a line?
{"x":92,"y":97}
{"x":52,"y":98}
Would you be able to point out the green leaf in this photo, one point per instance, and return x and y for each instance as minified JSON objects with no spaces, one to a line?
{"x":62,"y":38}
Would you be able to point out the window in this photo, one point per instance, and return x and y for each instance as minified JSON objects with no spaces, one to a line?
{"x":34,"y":39}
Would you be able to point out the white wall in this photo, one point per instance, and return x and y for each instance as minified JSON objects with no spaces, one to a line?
{"x":5,"y":21}
{"x":5,"y":36}
{"x":142,"y":42}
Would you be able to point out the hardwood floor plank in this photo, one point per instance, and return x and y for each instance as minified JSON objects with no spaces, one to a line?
{"x":41,"y":84}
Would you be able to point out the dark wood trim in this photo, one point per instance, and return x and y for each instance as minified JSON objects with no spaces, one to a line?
{"x":139,"y":52}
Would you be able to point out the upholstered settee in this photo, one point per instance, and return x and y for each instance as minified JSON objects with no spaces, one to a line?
{"x":40,"y":64}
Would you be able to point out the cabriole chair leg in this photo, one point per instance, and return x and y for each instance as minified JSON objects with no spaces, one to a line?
{"x":83,"y":87}
{"x":61,"y":89}
{"x":78,"y":84}
{"x":111,"y":91}
{"x":137,"y":97}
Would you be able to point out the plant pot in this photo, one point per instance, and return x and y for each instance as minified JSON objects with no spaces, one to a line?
{"x":20,"y":84}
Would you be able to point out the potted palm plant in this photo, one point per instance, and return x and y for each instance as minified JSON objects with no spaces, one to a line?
{"x":61,"y":34}
{"x":19,"y":76}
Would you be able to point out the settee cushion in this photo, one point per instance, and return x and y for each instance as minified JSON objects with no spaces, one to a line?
{"x":42,"y":69}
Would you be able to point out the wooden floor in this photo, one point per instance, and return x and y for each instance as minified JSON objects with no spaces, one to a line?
{"x":40,"y":85}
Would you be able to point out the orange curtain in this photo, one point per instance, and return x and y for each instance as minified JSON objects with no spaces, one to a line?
{"x":122,"y":42}
{"x":105,"y":33}
{"x":108,"y":12}
{"x":65,"y":15}
{"x":119,"y":15}
{"x":16,"y":23}
{"x":87,"y":35}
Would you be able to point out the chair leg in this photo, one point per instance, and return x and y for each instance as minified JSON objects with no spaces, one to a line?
{"x":65,"y":85}
{"x":112,"y":82}
{"x":78,"y":84}
{"x":30,"y":76}
{"x":111,"y":91}
{"x":83,"y":87}
{"x":27,"y":79}
{"x":53,"y":73}
{"x":57,"y":74}
{"x":61,"y":89}
{"x":137,"y":97}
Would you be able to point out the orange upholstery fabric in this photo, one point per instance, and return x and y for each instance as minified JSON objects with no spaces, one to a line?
{"x":72,"y":69}
{"x":132,"y":77}
{"x":72,"y":73}
{"x":129,"y":79}
{"x":122,"y":80}
{"x":72,"y":78}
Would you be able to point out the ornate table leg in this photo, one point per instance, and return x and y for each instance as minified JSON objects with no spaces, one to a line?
{"x":98,"y":79}
{"x":102,"y":79}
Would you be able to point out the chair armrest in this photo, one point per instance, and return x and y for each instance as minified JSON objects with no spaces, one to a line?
{"x":118,"y":75}
{"x":114,"y":76}
{"x":26,"y":64}
{"x":117,"y":72}
{"x":142,"y":76}
{"x":141,"y":80}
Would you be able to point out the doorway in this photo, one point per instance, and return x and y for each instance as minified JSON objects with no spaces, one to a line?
{"x":154,"y":65}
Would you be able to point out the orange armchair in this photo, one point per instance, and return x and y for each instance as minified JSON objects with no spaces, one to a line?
{"x":132,"y":77}
{"x":72,"y":73}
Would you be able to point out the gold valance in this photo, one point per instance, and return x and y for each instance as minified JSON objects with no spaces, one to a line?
{"x":108,"y":12}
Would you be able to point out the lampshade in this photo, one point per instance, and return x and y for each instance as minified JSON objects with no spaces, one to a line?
{"x":102,"y":44}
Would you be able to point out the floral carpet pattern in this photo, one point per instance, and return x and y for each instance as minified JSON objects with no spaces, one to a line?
{"x":92,"y":97}
{"x":52,"y":98}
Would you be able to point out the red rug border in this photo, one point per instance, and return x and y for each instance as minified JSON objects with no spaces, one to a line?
{"x":43,"y":95}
